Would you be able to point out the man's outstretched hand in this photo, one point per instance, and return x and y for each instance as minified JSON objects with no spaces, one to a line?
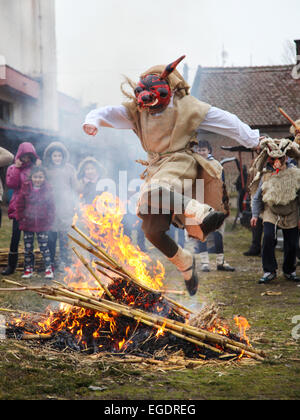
{"x":89,"y":129}
{"x":257,"y":149}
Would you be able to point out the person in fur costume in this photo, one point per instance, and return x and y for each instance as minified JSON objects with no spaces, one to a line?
{"x":166,"y":118}
{"x":295,"y":131}
{"x":276,"y":196}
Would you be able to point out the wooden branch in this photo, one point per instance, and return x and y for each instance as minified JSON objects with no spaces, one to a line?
{"x":201,"y":336}
{"x":288,"y":118}
{"x":115,"y":263}
{"x":91,"y":271}
{"x":120,"y":269}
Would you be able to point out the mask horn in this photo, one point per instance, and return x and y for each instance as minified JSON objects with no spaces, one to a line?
{"x":171,"y":67}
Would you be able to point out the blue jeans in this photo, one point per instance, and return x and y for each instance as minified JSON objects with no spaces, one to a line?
{"x":218,"y":247}
{"x":63,"y":246}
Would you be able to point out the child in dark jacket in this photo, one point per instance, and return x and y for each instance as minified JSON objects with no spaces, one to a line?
{"x":35,"y":213}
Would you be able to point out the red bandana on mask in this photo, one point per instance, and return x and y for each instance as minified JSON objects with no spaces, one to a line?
{"x":276,"y":163}
{"x":153,"y":91}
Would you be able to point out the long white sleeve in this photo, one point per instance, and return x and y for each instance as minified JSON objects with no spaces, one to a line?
{"x":229,"y":125}
{"x":109,"y":116}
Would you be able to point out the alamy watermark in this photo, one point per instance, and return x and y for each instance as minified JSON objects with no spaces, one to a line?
{"x":296,"y":329}
{"x":154,"y":198}
{"x":296,"y":69}
{"x":2,"y":67}
{"x":2,"y":327}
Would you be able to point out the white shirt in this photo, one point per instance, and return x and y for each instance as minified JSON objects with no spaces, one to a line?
{"x":216,"y":120}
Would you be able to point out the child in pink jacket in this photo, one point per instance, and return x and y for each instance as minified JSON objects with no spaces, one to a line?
{"x":16,"y":175}
{"x":35,"y":213}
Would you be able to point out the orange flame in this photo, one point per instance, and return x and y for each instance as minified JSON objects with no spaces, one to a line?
{"x":102,"y":219}
{"x":121,"y":344}
{"x":161,"y":330}
{"x":243,"y":325}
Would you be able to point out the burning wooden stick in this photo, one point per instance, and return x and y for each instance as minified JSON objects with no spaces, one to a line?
{"x":118,"y":269}
{"x":114,"y":263}
{"x":130,"y":314}
{"x":90,"y":270}
{"x":152,"y":300}
{"x":202,"y":338}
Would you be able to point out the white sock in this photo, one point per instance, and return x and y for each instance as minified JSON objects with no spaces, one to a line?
{"x":204,"y":258}
{"x":183,"y":259}
{"x":220,"y":259}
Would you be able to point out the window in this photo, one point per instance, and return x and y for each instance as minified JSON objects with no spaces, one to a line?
{"x":4,"y":110}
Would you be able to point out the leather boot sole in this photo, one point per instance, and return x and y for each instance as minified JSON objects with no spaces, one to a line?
{"x":192,"y":284}
{"x":211,"y":222}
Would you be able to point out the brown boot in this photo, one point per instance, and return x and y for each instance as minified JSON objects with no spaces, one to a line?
{"x":201,"y":219}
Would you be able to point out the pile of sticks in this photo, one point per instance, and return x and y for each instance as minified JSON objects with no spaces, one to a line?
{"x":220,"y":345}
{"x":38,"y":259}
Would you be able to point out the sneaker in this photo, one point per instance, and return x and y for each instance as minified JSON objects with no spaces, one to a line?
{"x":49,"y":273}
{"x":27,"y":273}
{"x":266,"y":278}
{"x":292,"y":277}
{"x":205,"y":268}
{"x":252,"y":253}
{"x":225,"y":267}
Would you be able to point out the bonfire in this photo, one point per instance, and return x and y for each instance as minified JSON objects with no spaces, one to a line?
{"x":112,"y":301}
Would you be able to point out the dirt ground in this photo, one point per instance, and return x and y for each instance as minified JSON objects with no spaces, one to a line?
{"x":29,"y":371}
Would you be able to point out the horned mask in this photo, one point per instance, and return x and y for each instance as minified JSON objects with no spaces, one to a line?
{"x":153,"y":91}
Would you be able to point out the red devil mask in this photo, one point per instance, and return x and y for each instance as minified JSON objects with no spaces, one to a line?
{"x":153,"y":91}
{"x":277,"y":164}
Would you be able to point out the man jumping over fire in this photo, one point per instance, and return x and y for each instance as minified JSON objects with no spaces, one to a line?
{"x":165,"y":117}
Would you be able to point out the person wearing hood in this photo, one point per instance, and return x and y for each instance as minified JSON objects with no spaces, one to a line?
{"x":61,"y":176}
{"x":6,"y":158}
{"x":17,"y":174}
{"x":35,"y":211}
{"x":166,"y":118}
{"x":88,"y":174}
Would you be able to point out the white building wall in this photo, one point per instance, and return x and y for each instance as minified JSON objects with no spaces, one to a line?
{"x":28,"y":43}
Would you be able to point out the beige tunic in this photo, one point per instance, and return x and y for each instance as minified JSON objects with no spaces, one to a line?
{"x":166,"y":138}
